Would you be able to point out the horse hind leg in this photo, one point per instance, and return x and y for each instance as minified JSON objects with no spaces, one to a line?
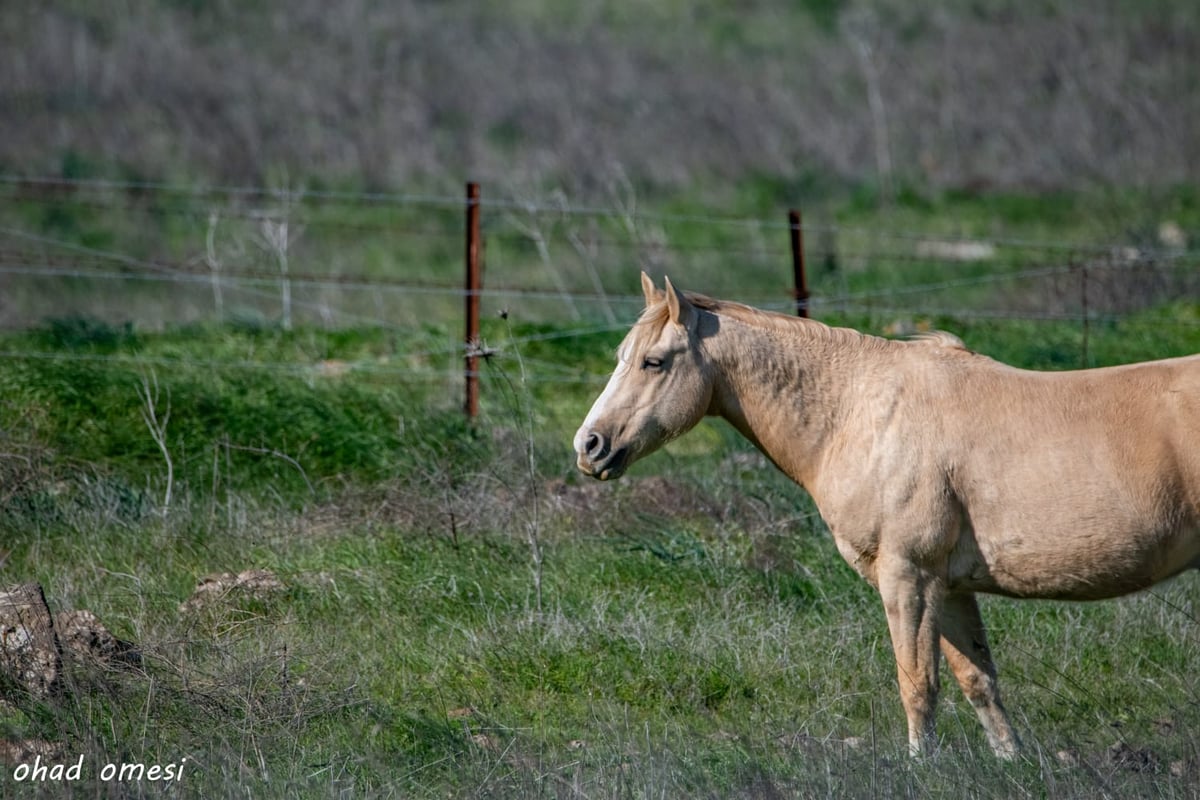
{"x":964,"y":643}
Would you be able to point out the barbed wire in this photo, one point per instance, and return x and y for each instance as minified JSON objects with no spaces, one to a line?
{"x":1108,"y":261}
{"x":327,"y":368}
{"x":960,"y":313}
{"x":202,"y":276}
{"x":454,"y":351}
{"x":171,"y":271}
{"x":265,"y":278}
{"x":390,"y":228}
{"x":227,"y":213}
{"x":560,"y":208}
{"x":761,"y":251}
{"x":102,"y":184}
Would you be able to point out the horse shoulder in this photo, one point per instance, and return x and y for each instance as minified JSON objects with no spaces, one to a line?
{"x":884,"y":485}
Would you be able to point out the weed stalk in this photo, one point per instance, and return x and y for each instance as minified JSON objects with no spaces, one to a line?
{"x":156,"y":423}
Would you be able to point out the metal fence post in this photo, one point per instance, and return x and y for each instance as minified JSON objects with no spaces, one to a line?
{"x":474,"y":284}
{"x":800,"y":280}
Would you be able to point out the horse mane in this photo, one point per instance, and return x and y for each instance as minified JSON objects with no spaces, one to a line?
{"x":656,"y":316}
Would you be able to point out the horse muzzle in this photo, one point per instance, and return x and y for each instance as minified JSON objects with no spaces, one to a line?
{"x":597,"y":458}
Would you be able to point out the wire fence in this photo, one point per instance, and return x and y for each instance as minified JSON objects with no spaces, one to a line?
{"x":158,"y":254}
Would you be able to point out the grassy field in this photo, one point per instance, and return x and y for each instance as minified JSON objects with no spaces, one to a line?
{"x":460,"y":615}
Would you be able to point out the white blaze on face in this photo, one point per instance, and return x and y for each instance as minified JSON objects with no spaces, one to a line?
{"x":600,"y":405}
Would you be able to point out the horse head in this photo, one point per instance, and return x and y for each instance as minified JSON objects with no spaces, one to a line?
{"x":659,"y":390}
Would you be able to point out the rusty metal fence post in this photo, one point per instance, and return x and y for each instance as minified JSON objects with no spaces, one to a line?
{"x":473,"y":287}
{"x":800,"y":279}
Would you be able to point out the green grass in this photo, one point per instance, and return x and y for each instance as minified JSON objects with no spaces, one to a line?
{"x":690,"y":631}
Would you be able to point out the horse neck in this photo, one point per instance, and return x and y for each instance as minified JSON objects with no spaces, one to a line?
{"x":783,"y":389}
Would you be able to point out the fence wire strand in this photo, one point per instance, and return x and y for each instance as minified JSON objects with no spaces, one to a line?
{"x":559,"y":208}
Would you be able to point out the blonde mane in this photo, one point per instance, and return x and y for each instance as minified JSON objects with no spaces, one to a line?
{"x":655,"y":316}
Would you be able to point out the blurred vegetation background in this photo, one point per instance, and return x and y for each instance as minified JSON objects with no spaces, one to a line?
{"x":958,"y":95}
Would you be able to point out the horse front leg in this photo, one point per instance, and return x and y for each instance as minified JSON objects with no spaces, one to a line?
{"x":912,"y":599}
{"x":964,"y":641}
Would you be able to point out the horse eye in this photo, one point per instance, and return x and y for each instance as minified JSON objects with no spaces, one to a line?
{"x":652,"y":363}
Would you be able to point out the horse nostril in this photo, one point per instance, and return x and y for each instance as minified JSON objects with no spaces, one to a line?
{"x":597,"y":446}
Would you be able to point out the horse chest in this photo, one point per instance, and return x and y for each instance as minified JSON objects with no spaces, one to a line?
{"x":902,"y":517}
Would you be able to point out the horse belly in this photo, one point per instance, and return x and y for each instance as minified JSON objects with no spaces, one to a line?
{"x":1088,"y":563}
{"x":1086,"y":512}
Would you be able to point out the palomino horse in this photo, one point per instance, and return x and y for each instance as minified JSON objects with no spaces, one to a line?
{"x":940,"y":472}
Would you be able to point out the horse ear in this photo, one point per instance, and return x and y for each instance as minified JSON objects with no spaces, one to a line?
{"x":682,"y":312}
{"x":648,"y":289}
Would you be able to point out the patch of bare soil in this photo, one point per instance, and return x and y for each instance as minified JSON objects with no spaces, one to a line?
{"x":590,"y":501}
{"x":256,"y":584}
